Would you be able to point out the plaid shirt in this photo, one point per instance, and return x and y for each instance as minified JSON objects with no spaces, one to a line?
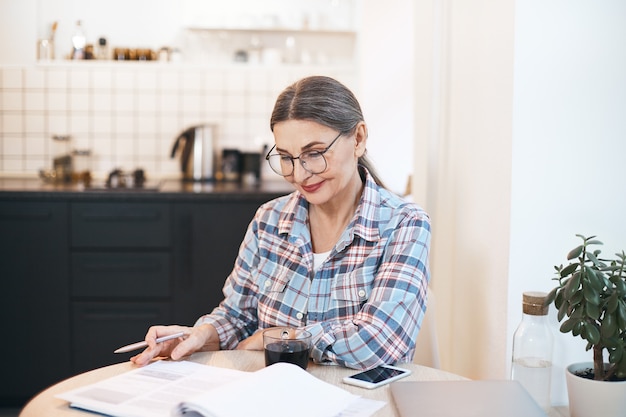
{"x":364,"y":305}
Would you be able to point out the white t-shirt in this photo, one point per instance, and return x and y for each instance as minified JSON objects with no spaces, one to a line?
{"x":318,"y":260}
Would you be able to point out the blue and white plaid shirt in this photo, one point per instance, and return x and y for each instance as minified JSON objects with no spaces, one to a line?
{"x":364,"y":305}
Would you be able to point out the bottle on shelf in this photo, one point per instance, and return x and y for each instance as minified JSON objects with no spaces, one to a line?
{"x":79,"y":41}
{"x":102,"y":50}
{"x":532,"y":349}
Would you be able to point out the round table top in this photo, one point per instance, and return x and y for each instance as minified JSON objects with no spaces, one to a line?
{"x":46,"y":404}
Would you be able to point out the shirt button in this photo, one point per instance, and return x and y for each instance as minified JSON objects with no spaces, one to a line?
{"x":361,"y":293}
{"x":268,"y":283}
{"x":299,"y":316}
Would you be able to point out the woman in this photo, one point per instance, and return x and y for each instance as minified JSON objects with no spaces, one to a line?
{"x":341,"y":257}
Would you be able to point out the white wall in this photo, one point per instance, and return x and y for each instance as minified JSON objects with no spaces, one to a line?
{"x":569,"y":143}
{"x":385,"y":59}
{"x":521,"y":118}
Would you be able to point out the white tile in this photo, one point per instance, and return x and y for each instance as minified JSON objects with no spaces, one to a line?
{"x":12,"y":123}
{"x":12,"y":100}
{"x":191,"y":103}
{"x":258,"y":82}
{"x":169,"y":80}
{"x":147,"y":126}
{"x":33,"y":164}
{"x":214,"y":81}
{"x":57,"y":101}
{"x":236,"y":81}
{"x":79,"y":101}
{"x":57,"y":124}
{"x":235,"y":104}
{"x":12,"y":78}
{"x":102,"y":124}
{"x":123,"y":101}
{"x":123,"y":79}
{"x":214,"y":105}
{"x":79,"y":79}
{"x":102,"y":102}
{"x":34,"y":101}
{"x":57,"y":78}
{"x":147,"y":147}
{"x":169,"y":125}
{"x":169,"y":103}
{"x":35,"y":123}
{"x":79,"y":123}
{"x":102,"y":79}
{"x":102,"y":147}
{"x":147,"y":101}
{"x":34,"y":78}
{"x":123,"y":124}
{"x":12,"y":165}
{"x":35,"y":146}
{"x":12,"y":146}
{"x":191,"y":81}
{"x":124,"y":147}
{"x":147,"y":80}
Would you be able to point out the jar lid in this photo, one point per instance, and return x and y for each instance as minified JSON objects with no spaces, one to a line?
{"x":533,"y":303}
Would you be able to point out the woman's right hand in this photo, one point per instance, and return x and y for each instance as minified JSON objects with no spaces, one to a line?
{"x":200,"y":338}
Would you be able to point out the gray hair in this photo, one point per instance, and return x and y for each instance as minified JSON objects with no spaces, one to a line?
{"x":323,"y":100}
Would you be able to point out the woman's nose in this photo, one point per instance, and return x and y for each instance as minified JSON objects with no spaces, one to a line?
{"x":299,"y":173}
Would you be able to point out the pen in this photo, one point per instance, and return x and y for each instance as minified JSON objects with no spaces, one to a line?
{"x":143,"y":344}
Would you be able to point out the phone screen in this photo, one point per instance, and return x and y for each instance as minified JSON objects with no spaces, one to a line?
{"x":377,"y":374}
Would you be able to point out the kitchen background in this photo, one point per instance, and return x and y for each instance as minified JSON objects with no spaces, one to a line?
{"x":224,"y":65}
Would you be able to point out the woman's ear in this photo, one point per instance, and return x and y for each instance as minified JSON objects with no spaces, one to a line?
{"x":360,"y":139}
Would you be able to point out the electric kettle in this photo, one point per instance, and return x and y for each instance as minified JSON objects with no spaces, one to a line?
{"x":197,"y":147}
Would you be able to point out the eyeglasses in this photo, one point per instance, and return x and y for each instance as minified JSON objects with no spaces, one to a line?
{"x":312,"y":161}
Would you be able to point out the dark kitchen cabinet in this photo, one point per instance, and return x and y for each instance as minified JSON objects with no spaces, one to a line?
{"x":85,"y":273}
{"x":35,"y":297}
{"x":206,"y":240}
{"x":120,"y":276}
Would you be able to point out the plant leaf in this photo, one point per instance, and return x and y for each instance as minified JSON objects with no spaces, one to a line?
{"x":593,"y":333}
{"x":568,"y":325}
{"x":608,"y":326}
{"x":575,"y":253}
{"x":568,"y":270}
{"x":593,"y":311}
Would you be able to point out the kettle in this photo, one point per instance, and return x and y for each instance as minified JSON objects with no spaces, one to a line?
{"x":197,"y":147}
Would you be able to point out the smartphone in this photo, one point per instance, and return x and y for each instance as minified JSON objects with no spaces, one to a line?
{"x":376,"y":377}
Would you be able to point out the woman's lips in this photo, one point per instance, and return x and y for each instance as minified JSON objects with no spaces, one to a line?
{"x":312,"y":188}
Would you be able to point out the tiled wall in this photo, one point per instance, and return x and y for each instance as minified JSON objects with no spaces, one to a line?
{"x":128,"y":114}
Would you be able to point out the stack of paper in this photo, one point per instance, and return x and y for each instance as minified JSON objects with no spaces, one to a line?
{"x":167,"y":388}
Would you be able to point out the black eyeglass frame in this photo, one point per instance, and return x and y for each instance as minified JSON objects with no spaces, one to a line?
{"x":302,"y":164}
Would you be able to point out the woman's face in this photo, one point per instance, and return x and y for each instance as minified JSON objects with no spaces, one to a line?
{"x":296,"y":136}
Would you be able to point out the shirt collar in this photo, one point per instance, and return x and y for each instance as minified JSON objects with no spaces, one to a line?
{"x":293,"y":218}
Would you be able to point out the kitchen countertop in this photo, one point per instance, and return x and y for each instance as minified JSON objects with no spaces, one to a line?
{"x":34,"y":188}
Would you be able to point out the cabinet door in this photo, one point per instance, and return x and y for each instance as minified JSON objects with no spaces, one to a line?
{"x":120,"y":225}
{"x":207,"y":239}
{"x":34,"y":301}
{"x":100,"y":327}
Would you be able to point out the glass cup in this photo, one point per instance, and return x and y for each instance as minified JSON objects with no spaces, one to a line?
{"x":285,"y":344}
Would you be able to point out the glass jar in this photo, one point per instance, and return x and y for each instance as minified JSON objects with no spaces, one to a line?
{"x":532,"y":349}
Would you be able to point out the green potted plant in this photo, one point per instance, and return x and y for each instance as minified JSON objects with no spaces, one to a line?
{"x":590,"y":297}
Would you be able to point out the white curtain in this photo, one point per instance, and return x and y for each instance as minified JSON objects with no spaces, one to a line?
{"x":462,"y":174}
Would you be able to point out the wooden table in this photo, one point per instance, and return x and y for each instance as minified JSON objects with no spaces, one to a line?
{"x":45,"y":404}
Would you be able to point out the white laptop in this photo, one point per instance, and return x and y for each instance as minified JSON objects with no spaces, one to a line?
{"x":463,"y":399}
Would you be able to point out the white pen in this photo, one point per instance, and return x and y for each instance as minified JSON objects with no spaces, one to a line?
{"x":143,"y":344}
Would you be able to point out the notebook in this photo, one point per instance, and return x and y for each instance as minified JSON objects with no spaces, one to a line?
{"x":463,"y":399}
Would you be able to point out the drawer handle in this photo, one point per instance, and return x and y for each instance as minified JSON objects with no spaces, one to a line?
{"x":103,"y":217}
{"x":134,"y":267}
{"x":28,"y":215}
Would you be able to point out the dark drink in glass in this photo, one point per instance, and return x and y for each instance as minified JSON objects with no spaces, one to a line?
{"x":291,"y":351}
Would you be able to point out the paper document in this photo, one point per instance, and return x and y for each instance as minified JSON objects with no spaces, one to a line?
{"x":170,"y":388}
